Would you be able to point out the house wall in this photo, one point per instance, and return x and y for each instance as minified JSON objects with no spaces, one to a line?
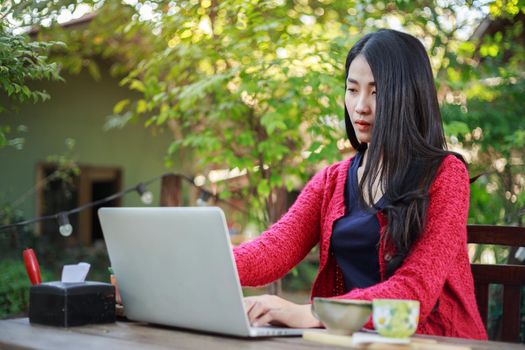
{"x":77,"y":109}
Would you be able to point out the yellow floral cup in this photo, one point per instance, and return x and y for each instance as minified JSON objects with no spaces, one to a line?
{"x":395,"y":318}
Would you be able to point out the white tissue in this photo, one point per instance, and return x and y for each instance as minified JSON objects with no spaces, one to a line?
{"x":75,"y":273}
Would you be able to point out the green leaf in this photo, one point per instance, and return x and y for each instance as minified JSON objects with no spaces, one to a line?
{"x":137,"y":85}
{"x":117,"y":121}
{"x":173,"y":147}
{"x":163,"y":116}
{"x":142,"y":106}
{"x":456,"y":128}
{"x":225,"y":194}
{"x":94,"y":70}
{"x":3,"y":139}
{"x":263,"y":189}
{"x":120,"y":106}
{"x":289,"y":183}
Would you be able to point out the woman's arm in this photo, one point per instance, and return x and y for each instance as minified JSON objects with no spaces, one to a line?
{"x":423,"y":273}
{"x":271,"y":255}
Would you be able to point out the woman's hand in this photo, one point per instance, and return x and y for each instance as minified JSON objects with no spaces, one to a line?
{"x":270,"y":309}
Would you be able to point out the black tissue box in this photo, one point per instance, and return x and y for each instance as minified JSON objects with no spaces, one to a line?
{"x":72,"y":304}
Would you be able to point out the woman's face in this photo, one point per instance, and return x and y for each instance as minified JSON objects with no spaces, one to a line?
{"x":360,"y":98}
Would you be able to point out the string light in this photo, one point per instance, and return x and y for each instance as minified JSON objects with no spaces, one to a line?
{"x":204,"y":196}
{"x":145,"y":195}
{"x":66,"y":229}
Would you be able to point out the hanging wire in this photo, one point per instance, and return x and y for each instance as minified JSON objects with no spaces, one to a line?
{"x":141,"y":188}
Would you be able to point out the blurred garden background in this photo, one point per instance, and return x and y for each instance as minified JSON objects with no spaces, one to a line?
{"x":243,"y":97}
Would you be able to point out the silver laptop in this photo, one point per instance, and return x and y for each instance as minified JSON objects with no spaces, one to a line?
{"x":175,"y":267}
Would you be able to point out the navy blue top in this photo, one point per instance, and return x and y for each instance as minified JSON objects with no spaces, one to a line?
{"x":355,"y":236}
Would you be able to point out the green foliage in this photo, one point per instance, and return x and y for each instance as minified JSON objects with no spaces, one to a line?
{"x":14,"y":282}
{"x":485,"y":121}
{"x":253,"y":85}
{"x":108,"y":37}
{"x":67,"y":168}
{"x":14,"y":287}
{"x":301,"y":277}
{"x":490,"y":128}
{"x":22,"y":60}
{"x":244,"y":85}
{"x":257,"y":85}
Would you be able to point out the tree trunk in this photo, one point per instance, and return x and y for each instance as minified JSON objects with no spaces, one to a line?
{"x":170,"y":191}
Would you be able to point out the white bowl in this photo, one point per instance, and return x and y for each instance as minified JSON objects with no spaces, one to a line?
{"x":342,"y":316}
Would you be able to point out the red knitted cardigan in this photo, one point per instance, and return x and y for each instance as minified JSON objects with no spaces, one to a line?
{"x":436,"y":272}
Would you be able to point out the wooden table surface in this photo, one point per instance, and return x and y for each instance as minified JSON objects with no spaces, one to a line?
{"x":20,"y":334}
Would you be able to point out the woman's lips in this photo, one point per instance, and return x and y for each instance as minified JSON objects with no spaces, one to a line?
{"x":362,"y":125}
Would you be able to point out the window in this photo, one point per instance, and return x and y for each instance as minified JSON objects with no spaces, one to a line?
{"x":65,"y":190}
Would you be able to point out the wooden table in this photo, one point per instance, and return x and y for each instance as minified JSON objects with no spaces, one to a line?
{"x":20,"y":334}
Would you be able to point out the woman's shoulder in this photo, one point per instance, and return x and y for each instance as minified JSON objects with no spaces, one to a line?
{"x":452,"y":164}
{"x":452,"y":170}
{"x":333,"y":173}
{"x":340,"y":166}
{"x":337,"y":169}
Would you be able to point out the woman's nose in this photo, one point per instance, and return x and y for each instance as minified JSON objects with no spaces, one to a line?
{"x":363,"y":106}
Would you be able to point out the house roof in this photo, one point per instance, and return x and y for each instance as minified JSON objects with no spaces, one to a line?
{"x":88,"y":17}
{"x":490,"y":26}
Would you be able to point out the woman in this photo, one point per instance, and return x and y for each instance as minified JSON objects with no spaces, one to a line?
{"x":391,"y":221}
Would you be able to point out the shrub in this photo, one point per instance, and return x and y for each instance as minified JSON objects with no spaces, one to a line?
{"x":14,"y":287}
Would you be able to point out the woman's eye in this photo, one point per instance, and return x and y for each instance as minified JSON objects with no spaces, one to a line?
{"x":352,"y":90}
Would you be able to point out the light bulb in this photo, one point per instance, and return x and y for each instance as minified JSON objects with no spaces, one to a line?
{"x":65,"y":227}
{"x":66,"y":230}
{"x":145,"y":195}
{"x":202,"y":201}
{"x":199,"y":180}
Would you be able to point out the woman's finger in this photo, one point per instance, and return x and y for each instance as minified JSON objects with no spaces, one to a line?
{"x":274,"y":317}
{"x":264,"y":319}
{"x":248,"y":304}
{"x":295,"y":316}
{"x":256,"y":311}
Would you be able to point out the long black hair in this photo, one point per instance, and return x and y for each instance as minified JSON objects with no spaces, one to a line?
{"x":408,"y":142}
